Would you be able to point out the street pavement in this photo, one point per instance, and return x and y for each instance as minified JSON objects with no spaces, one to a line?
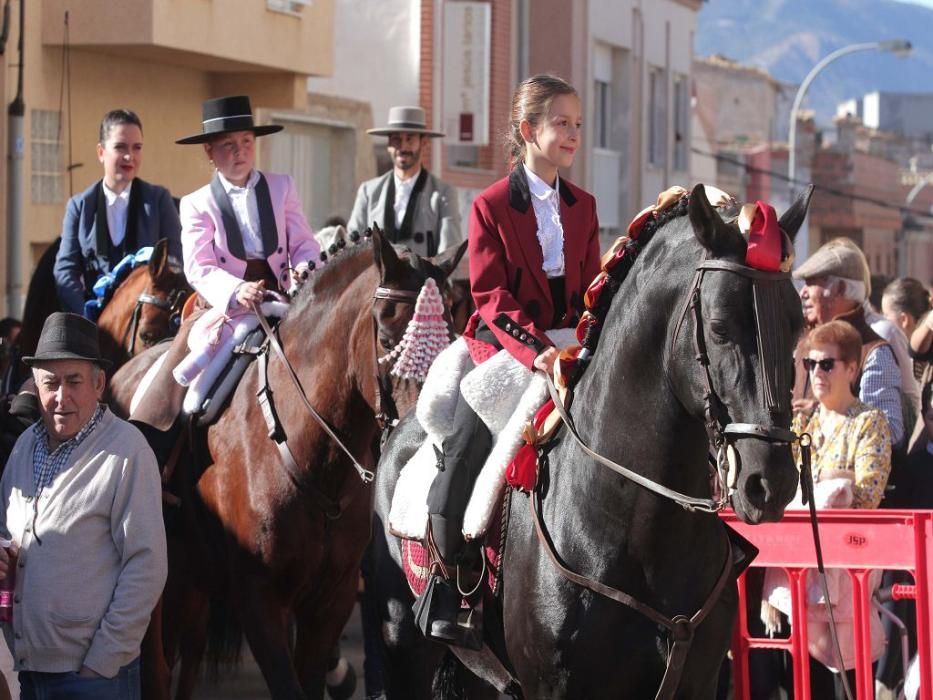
{"x":246,"y":682}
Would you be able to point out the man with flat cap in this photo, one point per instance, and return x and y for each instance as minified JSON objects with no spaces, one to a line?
{"x":412,"y":206}
{"x":835,"y":287}
{"x":81,"y":499}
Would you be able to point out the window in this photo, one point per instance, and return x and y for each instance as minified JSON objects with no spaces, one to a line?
{"x":602,"y":95}
{"x":460,"y":156}
{"x":657,"y":117}
{"x":603,"y":108}
{"x":681,"y":123}
{"x":46,"y":152}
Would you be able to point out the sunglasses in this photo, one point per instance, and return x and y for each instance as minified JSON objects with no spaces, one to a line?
{"x":826,"y":364}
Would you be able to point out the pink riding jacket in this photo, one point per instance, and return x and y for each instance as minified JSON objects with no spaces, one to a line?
{"x":210,"y":267}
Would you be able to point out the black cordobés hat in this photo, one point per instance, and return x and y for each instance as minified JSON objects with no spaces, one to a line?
{"x":224,"y":115}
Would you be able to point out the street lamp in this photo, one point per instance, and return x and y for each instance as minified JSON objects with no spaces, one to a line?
{"x":899,"y":47}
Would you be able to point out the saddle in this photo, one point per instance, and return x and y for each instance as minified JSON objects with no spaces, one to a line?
{"x":219,"y":394}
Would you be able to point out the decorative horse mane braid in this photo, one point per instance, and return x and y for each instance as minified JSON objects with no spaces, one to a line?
{"x":617,"y":272}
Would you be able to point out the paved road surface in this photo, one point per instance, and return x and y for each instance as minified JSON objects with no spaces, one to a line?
{"x":247,"y":683}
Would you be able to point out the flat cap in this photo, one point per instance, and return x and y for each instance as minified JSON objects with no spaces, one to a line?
{"x":840,"y":257}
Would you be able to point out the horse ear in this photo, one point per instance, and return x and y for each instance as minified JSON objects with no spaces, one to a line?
{"x":450,"y":258}
{"x":158,"y":263}
{"x":386,"y":258}
{"x":709,"y":228}
{"x":792,"y":219}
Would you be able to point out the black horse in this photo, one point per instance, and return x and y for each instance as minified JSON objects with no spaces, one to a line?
{"x":641,"y":403}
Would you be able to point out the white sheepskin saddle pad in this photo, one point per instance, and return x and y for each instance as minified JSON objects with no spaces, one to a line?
{"x":505,"y":395}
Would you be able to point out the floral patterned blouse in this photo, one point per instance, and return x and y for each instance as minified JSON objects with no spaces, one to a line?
{"x":859,"y":443}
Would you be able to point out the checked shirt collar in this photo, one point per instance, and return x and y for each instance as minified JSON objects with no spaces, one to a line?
{"x":45,"y":466}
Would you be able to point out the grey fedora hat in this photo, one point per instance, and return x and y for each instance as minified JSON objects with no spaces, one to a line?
{"x":67,"y":336}
{"x":407,"y":120}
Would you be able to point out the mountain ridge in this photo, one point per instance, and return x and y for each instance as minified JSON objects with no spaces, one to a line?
{"x":788,"y":37}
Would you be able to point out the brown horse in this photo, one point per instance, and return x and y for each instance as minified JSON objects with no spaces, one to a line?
{"x":145,"y":308}
{"x":258,"y":543}
{"x":141,"y":312}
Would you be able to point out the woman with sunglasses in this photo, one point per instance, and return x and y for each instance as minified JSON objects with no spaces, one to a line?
{"x":851,"y":461}
{"x":849,"y":437}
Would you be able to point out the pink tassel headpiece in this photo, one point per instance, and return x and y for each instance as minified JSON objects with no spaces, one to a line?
{"x":425,"y":337}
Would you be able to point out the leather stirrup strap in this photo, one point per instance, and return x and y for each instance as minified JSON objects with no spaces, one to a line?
{"x":681,"y":628}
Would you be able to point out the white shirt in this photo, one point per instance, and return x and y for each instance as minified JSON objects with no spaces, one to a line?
{"x":546,"y":202}
{"x":117,"y":205}
{"x":246,"y":211}
{"x":403,"y":190}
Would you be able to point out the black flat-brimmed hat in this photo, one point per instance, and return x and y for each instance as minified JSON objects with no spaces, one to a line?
{"x":224,"y":115}
{"x":405,"y":120}
{"x":67,"y":336}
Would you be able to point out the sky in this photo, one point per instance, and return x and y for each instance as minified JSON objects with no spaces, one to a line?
{"x":925,"y":3}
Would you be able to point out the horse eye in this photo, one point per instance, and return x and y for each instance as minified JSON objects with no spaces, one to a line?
{"x":719,"y":328}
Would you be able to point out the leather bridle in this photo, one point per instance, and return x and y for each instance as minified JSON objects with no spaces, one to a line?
{"x":386,"y":411}
{"x":172,"y":304}
{"x":722,"y":434}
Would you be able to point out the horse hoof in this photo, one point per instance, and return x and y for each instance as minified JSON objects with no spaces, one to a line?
{"x":341,"y":681}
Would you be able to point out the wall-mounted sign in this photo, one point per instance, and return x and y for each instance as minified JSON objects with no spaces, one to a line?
{"x":466,"y":72}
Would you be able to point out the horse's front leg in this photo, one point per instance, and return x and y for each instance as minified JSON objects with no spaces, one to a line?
{"x":265,"y":623}
{"x":320,"y":619}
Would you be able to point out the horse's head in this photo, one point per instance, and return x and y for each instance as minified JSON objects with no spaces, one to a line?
{"x":146,"y":307}
{"x":746,"y":322}
{"x":401,"y":277}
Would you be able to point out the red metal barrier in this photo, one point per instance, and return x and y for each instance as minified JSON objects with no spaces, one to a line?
{"x":860,"y":541}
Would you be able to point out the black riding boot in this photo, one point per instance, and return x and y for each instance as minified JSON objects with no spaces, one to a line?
{"x":438,"y":612}
{"x":445,"y":619}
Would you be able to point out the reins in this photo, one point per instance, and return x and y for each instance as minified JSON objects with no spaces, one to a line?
{"x":365,"y":474}
{"x":680,"y":627}
{"x":333,"y":509}
{"x":692,"y":503}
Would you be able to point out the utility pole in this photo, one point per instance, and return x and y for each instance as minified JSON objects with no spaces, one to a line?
{"x":15,"y":152}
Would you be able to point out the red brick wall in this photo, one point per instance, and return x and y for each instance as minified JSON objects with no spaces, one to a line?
{"x":492,"y":160}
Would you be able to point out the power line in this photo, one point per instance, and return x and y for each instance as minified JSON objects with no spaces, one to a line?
{"x":823,"y":188}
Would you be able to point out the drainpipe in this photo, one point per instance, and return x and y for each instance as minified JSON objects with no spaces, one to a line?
{"x":15,"y":149}
{"x":638,"y":107}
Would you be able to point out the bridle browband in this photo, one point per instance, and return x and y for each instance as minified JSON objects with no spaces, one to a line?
{"x":172,"y":304}
{"x":400,"y":296}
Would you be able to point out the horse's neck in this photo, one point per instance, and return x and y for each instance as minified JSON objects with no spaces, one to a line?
{"x":335,"y":330}
{"x":118,"y":311}
{"x":115,"y":319}
{"x":627,"y":410}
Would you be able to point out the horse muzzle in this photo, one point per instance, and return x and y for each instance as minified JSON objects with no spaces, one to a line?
{"x":761,"y":475}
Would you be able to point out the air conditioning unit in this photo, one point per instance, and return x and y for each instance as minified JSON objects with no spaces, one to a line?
{"x":288,"y":7}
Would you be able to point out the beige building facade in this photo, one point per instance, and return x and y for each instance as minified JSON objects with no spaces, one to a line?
{"x":631,"y":61}
{"x":162,"y":59}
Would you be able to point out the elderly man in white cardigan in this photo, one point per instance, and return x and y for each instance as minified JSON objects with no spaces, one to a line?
{"x":81,"y":500}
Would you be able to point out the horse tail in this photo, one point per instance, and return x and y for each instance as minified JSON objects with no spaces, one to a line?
{"x":449,"y":679}
{"x":224,"y":634}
